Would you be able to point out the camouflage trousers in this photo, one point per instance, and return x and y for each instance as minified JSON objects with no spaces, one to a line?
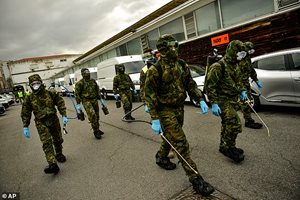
{"x":231,"y":124}
{"x":91,"y":108}
{"x":246,"y":110}
{"x":50,"y":135}
{"x":126,"y":99}
{"x":172,"y":121}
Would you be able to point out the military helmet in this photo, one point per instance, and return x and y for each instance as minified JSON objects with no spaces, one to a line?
{"x":84,"y":70}
{"x":165,"y":41}
{"x":120,"y":68}
{"x":249,"y":45}
{"x":34,"y":77}
{"x":234,"y":47}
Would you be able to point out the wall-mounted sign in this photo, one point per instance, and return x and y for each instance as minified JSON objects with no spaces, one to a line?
{"x":221,"y":39}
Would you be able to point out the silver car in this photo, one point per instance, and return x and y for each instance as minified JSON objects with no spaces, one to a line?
{"x":279,"y":73}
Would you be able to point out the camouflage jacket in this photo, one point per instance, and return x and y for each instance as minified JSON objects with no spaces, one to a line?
{"x":122,"y":82}
{"x":86,"y":90}
{"x":223,"y":84}
{"x":246,"y":70}
{"x":169,"y":88}
{"x":142,"y":82}
{"x":42,"y":105}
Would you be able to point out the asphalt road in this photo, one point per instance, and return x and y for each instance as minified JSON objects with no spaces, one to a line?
{"x":122,"y":165}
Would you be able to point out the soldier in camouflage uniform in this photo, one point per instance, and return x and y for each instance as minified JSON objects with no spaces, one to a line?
{"x":42,"y":103}
{"x":121,"y":85}
{"x":165,"y":92}
{"x":225,"y":89}
{"x":87,"y":92}
{"x":247,"y":71}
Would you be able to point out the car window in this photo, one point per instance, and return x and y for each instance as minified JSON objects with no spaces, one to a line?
{"x":296,"y":59}
{"x":272,"y":63}
{"x":196,"y":70}
{"x":133,"y":67}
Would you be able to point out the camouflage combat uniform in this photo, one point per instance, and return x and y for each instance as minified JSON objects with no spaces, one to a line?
{"x":87,"y":92}
{"x":142,"y":82}
{"x":42,"y":104}
{"x":246,"y":71}
{"x":223,"y":87}
{"x":165,"y":95}
{"x":121,"y":85}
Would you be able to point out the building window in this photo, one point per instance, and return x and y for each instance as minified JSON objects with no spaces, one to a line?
{"x":122,"y":50}
{"x":190,"y":25}
{"x":152,"y":37}
{"x":134,"y":47}
{"x":243,"y":10}
{"x":207,"y":18}
{"x":175,"y":28}
{"x":112,"y":53}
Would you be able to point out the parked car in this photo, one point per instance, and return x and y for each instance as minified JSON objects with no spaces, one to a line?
{"x":2,"y":109}
{"x":9,"y":98}
{"x":4,"y":102}
{"x":279,"y":73}
{"x":198,"y":74}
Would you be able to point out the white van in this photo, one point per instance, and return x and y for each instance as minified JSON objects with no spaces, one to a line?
{"x":106,"y":72}
{"x":60,"y":89}
{"x":70,"y":82}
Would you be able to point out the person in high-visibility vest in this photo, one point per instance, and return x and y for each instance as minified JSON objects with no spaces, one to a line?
{"x":21,"y":96}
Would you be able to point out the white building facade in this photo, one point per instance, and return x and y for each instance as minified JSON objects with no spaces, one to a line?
{"x":46,"y":67}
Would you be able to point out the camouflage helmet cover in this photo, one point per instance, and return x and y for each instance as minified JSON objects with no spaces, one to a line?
{"x":234,"y":47}
{"x":164,"y":40}
{"x":249,"y":45}
{"x":84,"y":70}
{"x":34,"y":77}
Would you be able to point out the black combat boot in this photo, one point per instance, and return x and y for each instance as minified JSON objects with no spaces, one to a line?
{"x":253,"y":124}
{"x":164,"y":162}
{"x":233,"y":153}
{"x":202,"y":187}
{"x":101,"y":132}
{"x":131,"y":118}
{"x":52,"y":169}
{"x":60,"y":158}
{"x":98,"y":134}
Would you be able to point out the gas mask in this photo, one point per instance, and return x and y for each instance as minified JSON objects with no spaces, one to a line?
{"x":170,"y":51}
{"x":121,"y":69}
{"x":35,"y":85}
{"x":251,"y":51}
{"x":149,"y":59}
{"x":240,"y":55}
{"x":86,"y":75}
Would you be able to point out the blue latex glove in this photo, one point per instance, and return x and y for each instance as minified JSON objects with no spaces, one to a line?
{"x":146,"y":109}
{"x":243,"y":95}
{"x":134,"y":92}
{"x":26,"y":132}
{"x":258,"y":83}
{"x":78,"y":106}
{"x":156,"y":127}
{"x":216,"y":109}
{"x":203,"y":107}
{"x":116,"y":97}
{"x":65,"y":120}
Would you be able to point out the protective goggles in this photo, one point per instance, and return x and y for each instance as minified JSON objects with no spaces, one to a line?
{"x":173,"y":44}
{"x":86,"y":72}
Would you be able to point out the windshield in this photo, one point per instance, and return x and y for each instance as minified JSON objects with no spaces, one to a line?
{"x":196,"y":70}
{"x":94,"y":75}
{"x":134,"y":67}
